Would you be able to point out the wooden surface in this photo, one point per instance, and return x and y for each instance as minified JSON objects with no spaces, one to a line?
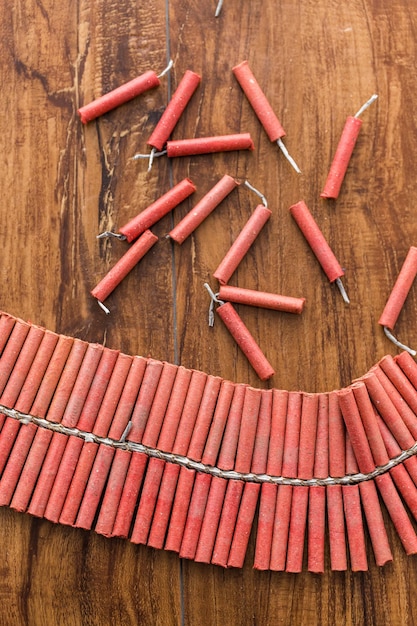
{"x":61,"y":183}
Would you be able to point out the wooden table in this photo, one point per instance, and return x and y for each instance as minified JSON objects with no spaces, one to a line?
{"x":62,"y":183}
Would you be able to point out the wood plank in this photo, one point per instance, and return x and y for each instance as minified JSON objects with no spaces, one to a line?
{"x":65,"y":183}
{"x":317,"y":63}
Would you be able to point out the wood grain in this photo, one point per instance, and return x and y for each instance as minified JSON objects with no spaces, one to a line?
{"x":62,"y":183}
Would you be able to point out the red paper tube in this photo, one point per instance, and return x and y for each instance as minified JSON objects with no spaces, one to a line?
{"x":269,"y":491}
{"x":265,"y":526}
{"x":408,"y":366}
{"x":174,"y":110}
{"x":354,"y":528}
{"x":124,"y":265}
{"x":147,"y":501}
{"x":128,"y":398}
{"x":299,"y":504}
{"x":227,"y":523}
{"x":316,"y":524}
{"x":341,"y":158}
{"x":211,"y":519}
{"x":203,"y":208}
{"x":171,"y":472}
{"x":375,"y":522}
{"x":308,"y":433}
{"x":11,"y":352}
{"x":278,"y":424}
{"x":356,"y":430}
{"x":251,"y":490}
{"x":113,"y":493}
{"x":289,"y":470}
{"x":400,"y":290}
{"x":118,"y":96}
{"x":226,"y":460}
{"x":79,"y":388}
{"x":318,"y":243}
{"x":95,"y":486}
{"x":317,"y":495}
{"x":281,"y":528}
{"x":297,"y":527}
{"x":195,"y":516}
{"x":334,"y":497}
{"x":337,"y":431}
{"x":344,"y":152}
{"x":408,"y":415}
{"x":157,"y":210}
{"x":248,"y":427}
{"x":261,"y":106}
{"x":322,"y":454}
{"x":242,"y":243}
{"x":129,"y":496}
{"x":399,"y":379}
{"x":151,"y":413}
{"x":76,"y":489}
{"x":261,"y":299}
{"x":7,"y":323}
{"x":292,"y":435}
{"x":258,"y":101}
{"x":112,"y":396}
{"x":180,"y":508}
{"x":353,"y":516}
{"x":336,"y":523}
{"x":387,"y":411}
{"x":207,"y":145}
{"x":245,"y":341}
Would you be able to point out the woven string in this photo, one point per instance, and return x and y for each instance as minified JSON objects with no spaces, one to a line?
{"x":183,"y":461}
